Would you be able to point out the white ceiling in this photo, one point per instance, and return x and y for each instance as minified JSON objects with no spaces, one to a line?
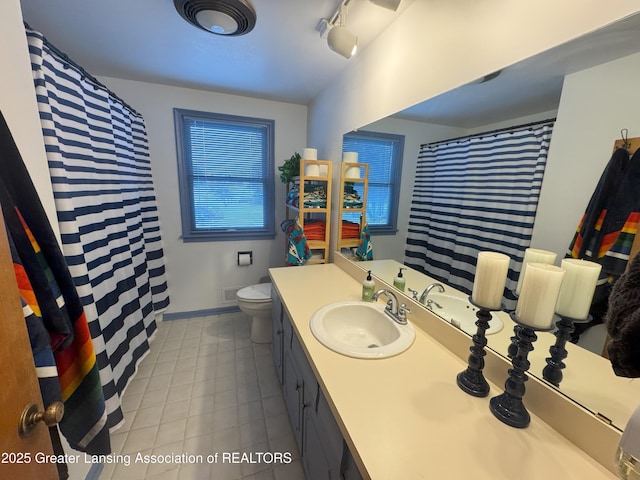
{"x":285,"y":59}
{"x":530,"y":86}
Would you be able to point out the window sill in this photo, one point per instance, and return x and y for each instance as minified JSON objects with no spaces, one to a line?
{"x":226,"y":236}
{"x":383,"y":230}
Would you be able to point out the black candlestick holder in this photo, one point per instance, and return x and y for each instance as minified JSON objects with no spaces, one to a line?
{"x":552,"y":373}
{"x":472,"y":380}
{"x":509,"y":407}
{"x":513,"y":346}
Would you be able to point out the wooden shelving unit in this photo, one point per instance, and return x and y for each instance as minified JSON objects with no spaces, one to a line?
{"x":308,"y":211}
{"x":349,"y":210}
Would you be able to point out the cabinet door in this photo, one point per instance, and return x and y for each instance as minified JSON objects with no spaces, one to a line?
{"x":314,"y":461}
{"x":329,"y":431}
{"x":292,"y":388}
{"x":277,"y":343}
{"x":349,"y":469}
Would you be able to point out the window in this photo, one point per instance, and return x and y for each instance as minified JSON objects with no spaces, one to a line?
{"x":225,"y":170}
{"x":383,"y":152}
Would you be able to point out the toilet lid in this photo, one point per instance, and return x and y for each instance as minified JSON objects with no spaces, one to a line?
{"x":261,"y":291}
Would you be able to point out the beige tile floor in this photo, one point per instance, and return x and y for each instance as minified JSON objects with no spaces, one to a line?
{"x":203,"y":389}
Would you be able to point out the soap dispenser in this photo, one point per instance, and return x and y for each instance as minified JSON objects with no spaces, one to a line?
{"x":399,"y":282}
{"x":368,"y":288}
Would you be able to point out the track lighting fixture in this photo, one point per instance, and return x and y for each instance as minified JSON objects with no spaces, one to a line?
{"x":339,"y":39}
{"x":388,"y":4}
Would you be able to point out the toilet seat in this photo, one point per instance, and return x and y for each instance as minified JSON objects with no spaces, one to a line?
{"x":255,"y":293}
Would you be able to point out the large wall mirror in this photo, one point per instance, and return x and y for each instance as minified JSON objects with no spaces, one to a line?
{"x":590,"y":86}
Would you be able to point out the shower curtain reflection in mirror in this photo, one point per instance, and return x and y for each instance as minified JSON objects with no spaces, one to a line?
{"x":475,"y":194}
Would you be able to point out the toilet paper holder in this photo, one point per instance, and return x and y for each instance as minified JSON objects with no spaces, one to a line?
{"x":245,"y":258}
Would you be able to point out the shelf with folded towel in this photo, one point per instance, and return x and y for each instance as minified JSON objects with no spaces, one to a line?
{"x":308,"y":203}
{"x":354,"y":183}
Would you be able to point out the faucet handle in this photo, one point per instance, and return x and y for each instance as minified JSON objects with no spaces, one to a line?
{"x":414,"y":293}
{"x":403,"y":310}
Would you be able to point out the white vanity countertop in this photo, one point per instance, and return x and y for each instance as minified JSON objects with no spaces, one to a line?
{"x":588,"y":377}
{"x":405,"y":418}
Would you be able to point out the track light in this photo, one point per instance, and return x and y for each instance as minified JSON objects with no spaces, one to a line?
{"x":339,"y":39}
{"x":388,"y":4}
{"x":342,"y":41}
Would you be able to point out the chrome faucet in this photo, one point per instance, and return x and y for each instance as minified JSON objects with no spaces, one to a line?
{"x":423,"y":297}
{"x":397,"y":313}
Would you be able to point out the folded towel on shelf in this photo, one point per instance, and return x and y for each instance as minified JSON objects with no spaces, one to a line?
{"x":315,"y":196}
{"x":351,"y":198}
{"x":292,"y":196}
{"x":315,"y":229}
{"x":350,"y":230}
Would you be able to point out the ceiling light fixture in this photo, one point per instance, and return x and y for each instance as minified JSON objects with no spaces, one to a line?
{"x":388,"y":4}
{"x":222,"y":17}
{"x":340,"y":39}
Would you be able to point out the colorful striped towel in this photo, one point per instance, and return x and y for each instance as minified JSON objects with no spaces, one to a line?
{"x":54,"y":297}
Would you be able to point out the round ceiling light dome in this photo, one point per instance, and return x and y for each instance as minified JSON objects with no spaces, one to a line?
{"x":222,"y":17}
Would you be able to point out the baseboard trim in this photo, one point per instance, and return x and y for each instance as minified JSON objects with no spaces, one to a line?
{"x":200,"y":313}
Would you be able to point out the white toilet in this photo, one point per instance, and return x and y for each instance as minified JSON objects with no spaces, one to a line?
{"x":255,"y":301}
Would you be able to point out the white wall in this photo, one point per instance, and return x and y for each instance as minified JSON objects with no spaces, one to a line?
{"x":198,"y":271}
{"x":18,"y":102}
{"x":595,"y":105}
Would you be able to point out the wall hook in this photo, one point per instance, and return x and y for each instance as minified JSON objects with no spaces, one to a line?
{"x":624,"y":133}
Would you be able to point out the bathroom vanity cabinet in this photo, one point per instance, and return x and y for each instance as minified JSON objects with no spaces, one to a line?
{"x":323,"y":452}
{"x":404,"y":416}
{"x":309,"y":201}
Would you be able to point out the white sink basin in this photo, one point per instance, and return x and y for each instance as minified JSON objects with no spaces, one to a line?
{"x":361,"y":330}
{"x":459,"y":312}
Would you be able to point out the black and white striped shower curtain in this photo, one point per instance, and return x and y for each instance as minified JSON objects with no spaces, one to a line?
{"x":101,"y":175}
{"x":474,"y":194}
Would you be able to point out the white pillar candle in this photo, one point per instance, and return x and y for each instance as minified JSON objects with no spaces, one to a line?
{"x":490,"y":278}
{"x":350,"y":157}
{"x":534,"y":255}
{"x":540,"y":289}
{"x":578,"y":287}
{"x":310,"y":154}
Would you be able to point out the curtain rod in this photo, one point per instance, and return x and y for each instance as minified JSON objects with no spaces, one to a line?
{"x":97,"y":83}
{"x":490,"y":132}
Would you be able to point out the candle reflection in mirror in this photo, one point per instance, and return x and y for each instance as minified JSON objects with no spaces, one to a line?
{"x":574,"y":301}
{"x":488,"y":289}
{"x":534,"y":312}
{"x":531,"y":255}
